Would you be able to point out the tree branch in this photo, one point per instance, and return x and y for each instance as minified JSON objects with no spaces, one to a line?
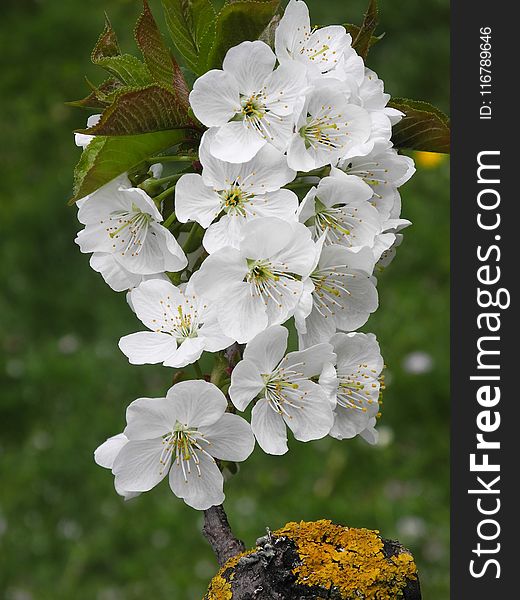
{"x":219,"y":535}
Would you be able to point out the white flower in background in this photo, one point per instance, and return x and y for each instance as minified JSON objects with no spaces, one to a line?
{"x":260,"y":283}
{"x":339,"y":209}
{"x":106,"y":454}
{"x":388,"y":252}
{"x":350,"y":70}
{"x":182,"y":326}
{"x":354,"y":385}
{"x":339,"y":294}
{"x":283,"y":390}
{"x":320,"y":50}
{"x":235,"y":192}
{"x":384,"y":170}
{"x":82,"y":140}
{"x":373,"y":97}
{"x":180,"y":436}
{"x":328,"y":127}
{"x":125,"y":223}
{"x":250,"y":102}
{"x":115,"y":275}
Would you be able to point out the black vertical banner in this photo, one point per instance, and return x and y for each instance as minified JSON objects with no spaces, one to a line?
{"x":485,"y":358}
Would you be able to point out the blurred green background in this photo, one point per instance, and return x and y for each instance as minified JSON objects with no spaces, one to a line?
{"x":64,"y":533}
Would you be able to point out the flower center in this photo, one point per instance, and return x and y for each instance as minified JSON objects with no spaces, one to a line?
{"x":282,"y":388}
{"x":181,"y":321}
{"x":234,"y":199}
{"x":182,"y":447}
{"x":323,"y":131}
{"x":360,"y":389}
{"x":372,"y":173}
{"x":268,"y":281}
{"x":329,"y":286}
{"x":339,"y":224}
{"x":128,"y":230}
{"x":252,"y":107}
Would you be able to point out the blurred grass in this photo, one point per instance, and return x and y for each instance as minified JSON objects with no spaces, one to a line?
{"x":64,"y":385}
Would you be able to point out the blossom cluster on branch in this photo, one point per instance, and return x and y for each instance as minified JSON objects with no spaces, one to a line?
{"x":281,"y":219}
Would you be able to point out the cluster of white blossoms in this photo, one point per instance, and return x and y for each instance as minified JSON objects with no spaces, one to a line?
{"x":296,"y":189}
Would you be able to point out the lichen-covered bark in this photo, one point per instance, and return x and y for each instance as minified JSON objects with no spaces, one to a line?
{"x":319,"y":560}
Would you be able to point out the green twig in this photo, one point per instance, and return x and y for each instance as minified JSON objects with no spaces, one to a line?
{"x":198,"y":370}
{"x":171,"y":219}
{"x":173,"y":158}
{"x":191,"y":234}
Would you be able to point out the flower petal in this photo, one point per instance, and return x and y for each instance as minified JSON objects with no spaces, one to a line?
{"x":269,"y":428}
{"x":220,"y":271}
{"x":246,"y":384}
{"x":138,"y":467}
{"x":241,"y":315}
{"x":281,"y":204}
{"x":149,"y":418}
{"x":195,"y":201}
{"x":197,"y":402}
{"x":116,"y":276}
{"x":154,"y":301}
{"x":292,"y":30}
{"x":228,"y":231}
{"x":211,"y":333}
{"x":230,"y":438}
{"x":310,"y":416}
{"x":249,"y":63}
{"x":215,"y":98}
{"x":311,"y":361}
{"x":264,"y":238}
{"x":107,"y":452}
{"x":188,"y":352}
{"x":147,"y":347}
{"x":236,"y":142}
{"x":267,"y":349}
{"x":200,"y":491}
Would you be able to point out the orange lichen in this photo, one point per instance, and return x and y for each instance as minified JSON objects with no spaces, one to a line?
{"x":219,"y":589}
{"x":349,"y":560}
{"x":220,"y":585}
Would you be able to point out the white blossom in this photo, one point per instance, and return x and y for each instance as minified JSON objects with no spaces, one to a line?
{"x":234,"y":192}
{"x":320,"y":50}
{"x":250,"y":101}
{"x":180,"y":436}
{"x":105,"y":456}
{"x":282,"y":389}
{"x":354,"y":385}
{"x":384,"y":170}
{"x":182,"y":326}
{"x":82,"y":140}
{"x":338,"y":208}
{"x":327,"y":128}
{"x":340,"y":293}
{"x":124,"y":222}
{"x":259,"y":283}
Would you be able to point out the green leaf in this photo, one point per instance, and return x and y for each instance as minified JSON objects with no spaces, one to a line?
{"x":99,"y":96}
{"x":107,"y":44}
{"x":107,"y":157}
{"x":128,"y":69}
{"x":361,"y":43}
{"x":191,"y":24}
{"x":424,"y":127}
{"x":160,"y":62}
{"x":239,"y":21}
{"x":144,"y":110}
{"x":354,"y":32}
